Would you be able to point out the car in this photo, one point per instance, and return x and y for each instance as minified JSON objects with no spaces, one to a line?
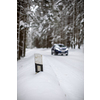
{"x":59,"y":49}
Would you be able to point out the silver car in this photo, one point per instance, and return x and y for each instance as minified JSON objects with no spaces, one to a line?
{"x":59,"y":49}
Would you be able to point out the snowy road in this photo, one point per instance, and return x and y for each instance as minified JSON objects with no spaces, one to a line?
{"x":62,"y":78}
{"x":70,"y":72}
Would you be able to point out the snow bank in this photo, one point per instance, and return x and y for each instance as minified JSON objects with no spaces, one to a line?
{"x":40,"y":86}
{"x":62,"y":77}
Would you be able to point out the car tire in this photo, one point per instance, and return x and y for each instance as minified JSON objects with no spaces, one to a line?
{"x":55,"y":53}
{"x":66,"y":54}
{"x":51,"y":53}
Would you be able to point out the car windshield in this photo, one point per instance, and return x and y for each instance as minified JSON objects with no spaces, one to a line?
{"x":57,"y":46}
{"x":61,"y":45}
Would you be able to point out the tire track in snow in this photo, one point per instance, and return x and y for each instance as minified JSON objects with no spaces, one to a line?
{"x":67,"y":76}
{"x":54,"y":73}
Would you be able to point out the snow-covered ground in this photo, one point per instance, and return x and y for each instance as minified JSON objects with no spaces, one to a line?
{"x":62,"y":77}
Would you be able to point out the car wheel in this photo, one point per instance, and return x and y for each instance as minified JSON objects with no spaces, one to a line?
{"x":51,"y":53}
{"x":55,"y":53}
{"x":66,"y":54}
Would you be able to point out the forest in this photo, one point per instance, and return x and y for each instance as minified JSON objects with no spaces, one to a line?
{"x":41,"y":23}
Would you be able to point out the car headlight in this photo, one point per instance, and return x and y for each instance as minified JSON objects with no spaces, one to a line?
{"x":66,"y":49}
{"x":57,"y":49}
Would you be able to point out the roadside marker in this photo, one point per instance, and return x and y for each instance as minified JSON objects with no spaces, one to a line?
{"x":38,"y":63}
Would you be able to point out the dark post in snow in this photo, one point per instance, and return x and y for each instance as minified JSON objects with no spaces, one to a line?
{"x":38,"y":63}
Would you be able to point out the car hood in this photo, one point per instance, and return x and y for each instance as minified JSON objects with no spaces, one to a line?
{"x":62,"y":48}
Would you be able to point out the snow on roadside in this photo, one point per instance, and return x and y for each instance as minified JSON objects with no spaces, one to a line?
{"x":55,"y":82}
{"x":40,"y":86}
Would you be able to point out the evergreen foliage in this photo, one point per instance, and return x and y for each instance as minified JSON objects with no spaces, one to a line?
{"x":41,"y":23}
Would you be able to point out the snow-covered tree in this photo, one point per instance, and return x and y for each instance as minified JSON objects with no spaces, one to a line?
{"x":50,"y":21}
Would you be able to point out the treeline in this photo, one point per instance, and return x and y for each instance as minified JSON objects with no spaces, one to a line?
{"x":23,"y":7}
{"x":42,"y":23}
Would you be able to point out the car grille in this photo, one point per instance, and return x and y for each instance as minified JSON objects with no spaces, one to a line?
{"x":63,"y":49}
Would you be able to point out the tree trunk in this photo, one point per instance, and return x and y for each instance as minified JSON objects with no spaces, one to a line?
{"x":74,"y":22}
{"x":25,"y":43}
{"x":18,"y":35}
